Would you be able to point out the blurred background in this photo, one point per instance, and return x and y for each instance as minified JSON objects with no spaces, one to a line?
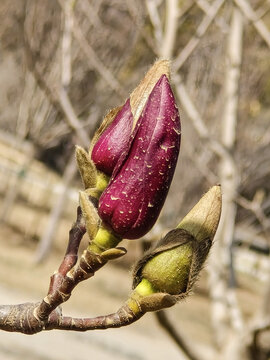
{"x":63,"y":65}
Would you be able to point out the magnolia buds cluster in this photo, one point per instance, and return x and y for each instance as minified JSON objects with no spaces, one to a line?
{"x":132,"y":159}
{"x":127,"y":174}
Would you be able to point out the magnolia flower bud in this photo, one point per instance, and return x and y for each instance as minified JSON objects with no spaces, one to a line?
{"x":136,"y":193}
{"x":173,"y":265}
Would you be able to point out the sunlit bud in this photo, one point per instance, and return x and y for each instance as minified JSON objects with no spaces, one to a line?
{"x":173,"y":265}
{"x":131,"y":203}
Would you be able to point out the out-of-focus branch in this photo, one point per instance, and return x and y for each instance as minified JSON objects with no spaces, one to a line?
{"x":200,"y":31}
{"x":259,"y":25}
{"x":165,"y":322}
{"x":91,"y":11}
{"x":70,"y":169}
{"x":151,"y":6}
{"x":169,"y":35}
{"x":206,"y":7}
{"x":256,"y":207}
{"x":66,"y":43}
{"x":71,"y":117}
{"x":59,"y":100}
{"x":45,"y":242}
{"x":263,"y":10}
{"x":92,"y":57}
{"x":198,"y":122}
{"x":191,"y":109}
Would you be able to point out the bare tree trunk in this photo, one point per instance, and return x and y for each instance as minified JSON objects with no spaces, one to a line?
{"x":226,"y":316}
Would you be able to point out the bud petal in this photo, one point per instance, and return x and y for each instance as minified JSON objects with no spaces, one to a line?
{"x":133,"y":199}
{"x":113,"y":140}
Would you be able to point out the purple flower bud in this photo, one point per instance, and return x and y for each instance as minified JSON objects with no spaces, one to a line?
{"x":131,"y":203}
{"x":113,"y":141}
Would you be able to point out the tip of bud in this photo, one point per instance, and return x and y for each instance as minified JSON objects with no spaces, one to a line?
{"x":139,"y":96}
{"x":202,"y":220}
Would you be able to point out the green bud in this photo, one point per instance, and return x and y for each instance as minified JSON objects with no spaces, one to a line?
{"x":169,"y":271}
{"x":173,"y":266}
{"x":167,"y":267}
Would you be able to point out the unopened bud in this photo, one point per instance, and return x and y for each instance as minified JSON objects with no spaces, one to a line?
{"x":131,"y":203}
{"x":173,"y":265}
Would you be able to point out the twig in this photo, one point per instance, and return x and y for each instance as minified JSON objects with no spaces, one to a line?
{"x":263,"y":10}
{"x":66,"y":44}
{"x":206,"y":7}
{"x":151,"y":6}
{"x":200,"y":31}
{"x":22,"y":123}
{"x":71,"y":255}
{"x":68,"y":275}
{"x":251,"y":15}
{"x":30,"y":318}
{"x":23,"y":318}
{"x":167,"y":325}
{"x":123,"y":317}
{"x":256,"y":207}
{"x":60,"y":102}
{"x":91,"y":12}
{"x":70,"y":170}
{"x":92,"y":57}
{"x":198,"y":122}
{"x":71,"y":117}
{"x":169,"y":35}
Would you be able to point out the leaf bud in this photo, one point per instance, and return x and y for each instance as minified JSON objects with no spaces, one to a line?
{"x":173,"y":265}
